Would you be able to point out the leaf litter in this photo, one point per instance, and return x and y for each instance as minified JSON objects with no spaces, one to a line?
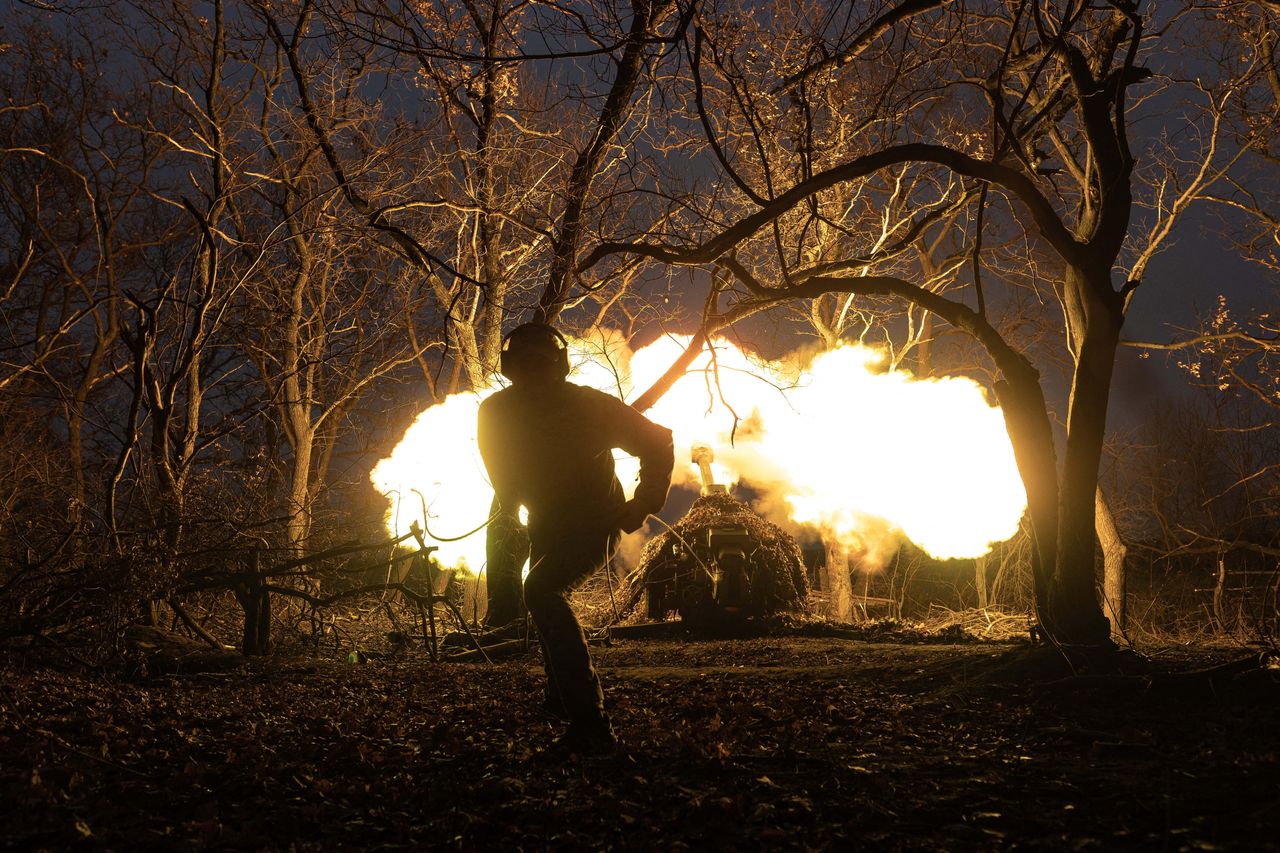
{"x":801,"y":742}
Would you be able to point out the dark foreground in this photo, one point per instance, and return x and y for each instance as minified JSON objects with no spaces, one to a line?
{"x":781,"y":743}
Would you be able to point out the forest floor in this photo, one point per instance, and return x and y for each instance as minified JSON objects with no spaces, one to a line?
{"x":777,"y":742}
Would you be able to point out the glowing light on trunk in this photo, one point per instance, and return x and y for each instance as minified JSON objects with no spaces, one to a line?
{"x":864,"y":454}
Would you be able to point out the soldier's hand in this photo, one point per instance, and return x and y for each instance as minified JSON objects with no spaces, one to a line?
{"x":631,"y":516}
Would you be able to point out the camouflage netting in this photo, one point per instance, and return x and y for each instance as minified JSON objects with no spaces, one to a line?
{"x":778,"y":561}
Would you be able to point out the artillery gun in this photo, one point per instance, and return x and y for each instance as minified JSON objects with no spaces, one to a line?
{"x":721,"y":560}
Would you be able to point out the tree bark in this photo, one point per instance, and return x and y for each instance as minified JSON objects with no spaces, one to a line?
{"x":1114,"y":575}
{"x":299,"y":524}
{"x":255,"y":600}
{"x":1094,"y":318}
{"x":835,"y":578}
{"x":1027,"y":422}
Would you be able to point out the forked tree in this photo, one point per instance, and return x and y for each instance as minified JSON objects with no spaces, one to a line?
{"x":1053,"y":86}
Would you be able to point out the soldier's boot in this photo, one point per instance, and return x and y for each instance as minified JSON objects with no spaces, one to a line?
{"x":588,"y":737}
{"x":554,"y":705}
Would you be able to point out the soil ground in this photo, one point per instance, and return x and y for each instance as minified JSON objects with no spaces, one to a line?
{"x":778,"y":743}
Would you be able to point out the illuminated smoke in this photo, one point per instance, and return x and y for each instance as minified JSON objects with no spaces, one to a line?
{"x":867,"y":456}
{"x":857,"y":451}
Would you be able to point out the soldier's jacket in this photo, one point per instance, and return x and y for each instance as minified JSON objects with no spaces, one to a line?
{"x":549,"y":447}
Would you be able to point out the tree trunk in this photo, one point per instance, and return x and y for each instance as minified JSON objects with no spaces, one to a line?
{"x":468,"y":355}
{"x":1219,"y":587}
{"x":75,"y":414}
{"x":256,"y":603}
{"x":1026,"y":418}
{"x":924,"y":345}
{"x":299,"y":525}
{"x":835,"y":579}
{"x":980,"y":581}
{"x":1114,"y":554}
{"x":1075,"y":616}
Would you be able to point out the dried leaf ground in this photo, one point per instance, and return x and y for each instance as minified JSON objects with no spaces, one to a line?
{"x":781,"y":742}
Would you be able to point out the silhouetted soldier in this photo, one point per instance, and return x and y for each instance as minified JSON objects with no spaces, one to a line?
{"x":547,"y":444}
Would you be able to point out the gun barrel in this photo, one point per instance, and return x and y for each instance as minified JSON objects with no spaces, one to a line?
{"x":703,"y":456}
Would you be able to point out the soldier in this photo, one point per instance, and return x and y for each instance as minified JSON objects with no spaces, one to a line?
{"x":548,"y":446}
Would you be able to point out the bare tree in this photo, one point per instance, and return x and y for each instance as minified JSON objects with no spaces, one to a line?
{"x":75,"y":200}
{"x":1056,"y":152}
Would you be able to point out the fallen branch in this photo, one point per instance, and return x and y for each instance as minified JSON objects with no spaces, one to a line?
{"x":186,"y":619}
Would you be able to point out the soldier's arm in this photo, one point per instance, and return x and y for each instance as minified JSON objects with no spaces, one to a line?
{"x":652,"y":444}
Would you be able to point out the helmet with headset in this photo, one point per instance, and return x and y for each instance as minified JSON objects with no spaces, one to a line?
{"x":534,"y":348}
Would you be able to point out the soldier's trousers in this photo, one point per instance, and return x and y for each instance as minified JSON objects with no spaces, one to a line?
{"x":556,"y":570}
{"x":506,"y":548}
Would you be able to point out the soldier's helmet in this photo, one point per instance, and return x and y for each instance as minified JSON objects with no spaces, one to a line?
{"x":534,"y":350}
